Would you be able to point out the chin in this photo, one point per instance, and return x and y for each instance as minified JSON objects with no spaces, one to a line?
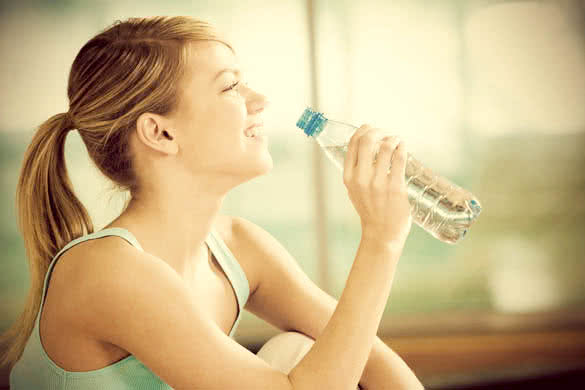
{"x":265,"y":165}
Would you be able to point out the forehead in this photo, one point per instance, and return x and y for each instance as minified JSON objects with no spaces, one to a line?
{"x":207,"y":58}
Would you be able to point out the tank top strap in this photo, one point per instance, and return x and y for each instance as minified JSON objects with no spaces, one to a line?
{"x":231,"y":267}
{"x":114,"y":231}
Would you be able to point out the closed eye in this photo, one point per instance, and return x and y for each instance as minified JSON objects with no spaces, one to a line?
{"x":232,"y":86}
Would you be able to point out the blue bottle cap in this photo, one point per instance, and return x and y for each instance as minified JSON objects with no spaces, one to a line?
{"x":311,"y":122}
{"x":475,"y":207}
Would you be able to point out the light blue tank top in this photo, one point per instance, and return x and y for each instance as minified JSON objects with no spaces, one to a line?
{"x":35,"y":369}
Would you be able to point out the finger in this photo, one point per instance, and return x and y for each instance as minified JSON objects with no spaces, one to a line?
{"x":382,"y":164}
{"x":356,"y":140}
{"x":365,"y":152}
{"x":351,"y":155}
{"x":398,"y":168}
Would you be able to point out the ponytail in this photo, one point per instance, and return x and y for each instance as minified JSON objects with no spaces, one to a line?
{"x":49,"y":216}
{"x":131,"y":67}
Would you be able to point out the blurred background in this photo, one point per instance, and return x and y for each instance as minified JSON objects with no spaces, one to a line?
{"x":488,"y":93}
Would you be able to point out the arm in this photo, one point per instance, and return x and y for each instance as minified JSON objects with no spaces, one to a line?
{"x":137,"y":302}
{"x":387,"y":371}
{"x":287,"y":298}
{"x":166,"y":329}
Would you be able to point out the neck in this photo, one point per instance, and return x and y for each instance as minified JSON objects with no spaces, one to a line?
{"x":172,"y":226}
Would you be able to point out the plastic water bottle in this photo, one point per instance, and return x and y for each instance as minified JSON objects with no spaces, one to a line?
{"x":442,"y":208}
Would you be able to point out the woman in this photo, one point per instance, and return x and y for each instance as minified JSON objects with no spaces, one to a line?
{"x":152,"y":300}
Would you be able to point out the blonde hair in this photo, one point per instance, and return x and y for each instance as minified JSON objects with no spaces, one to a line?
{"x":131,"y":67}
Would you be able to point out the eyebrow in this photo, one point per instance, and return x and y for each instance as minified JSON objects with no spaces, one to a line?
{"x":233,"y":70}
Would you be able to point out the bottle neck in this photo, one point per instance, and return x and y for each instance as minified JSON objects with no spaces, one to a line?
{"x":335,"y":133}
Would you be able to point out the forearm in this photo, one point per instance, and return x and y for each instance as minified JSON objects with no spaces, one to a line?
{"x":385,"y":370}
{"x":340,"y":352}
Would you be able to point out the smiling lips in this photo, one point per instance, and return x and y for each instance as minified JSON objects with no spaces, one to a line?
{"x":253,"y":130}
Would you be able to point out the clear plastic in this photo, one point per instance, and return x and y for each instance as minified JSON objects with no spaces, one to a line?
{"x":439,"y":206}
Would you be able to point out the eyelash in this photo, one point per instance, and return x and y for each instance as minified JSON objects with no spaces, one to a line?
{"x":233,"y":86}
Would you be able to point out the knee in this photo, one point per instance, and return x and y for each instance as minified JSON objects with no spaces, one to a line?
{"x":284,"y":350}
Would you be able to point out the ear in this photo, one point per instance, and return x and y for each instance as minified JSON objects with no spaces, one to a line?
{"x":151,"y":130}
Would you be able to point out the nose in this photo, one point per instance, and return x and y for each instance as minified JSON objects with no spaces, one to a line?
{"x":256,"y":102}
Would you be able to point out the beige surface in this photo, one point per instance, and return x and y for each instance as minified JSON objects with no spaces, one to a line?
{"x":285,"y":350}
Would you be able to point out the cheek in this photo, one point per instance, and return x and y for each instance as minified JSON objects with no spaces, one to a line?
{"x":219,"y":124}
{"x":230,"y":119}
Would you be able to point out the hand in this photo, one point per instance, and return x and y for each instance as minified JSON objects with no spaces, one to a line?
{"x":379,"y":197}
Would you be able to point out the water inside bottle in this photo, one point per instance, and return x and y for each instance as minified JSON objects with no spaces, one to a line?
{"x":439,"y":206}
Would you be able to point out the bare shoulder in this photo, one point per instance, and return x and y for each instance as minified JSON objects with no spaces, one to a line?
{"x":247,"y":234}
{"x":244,"y":239}
{"x":101,"y":271}
{"x":93,"y":256}
{"x":139,"y":303}
{"x":237,"y":231}
{"x":84,"y":260}
{"x":224,"y":225}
